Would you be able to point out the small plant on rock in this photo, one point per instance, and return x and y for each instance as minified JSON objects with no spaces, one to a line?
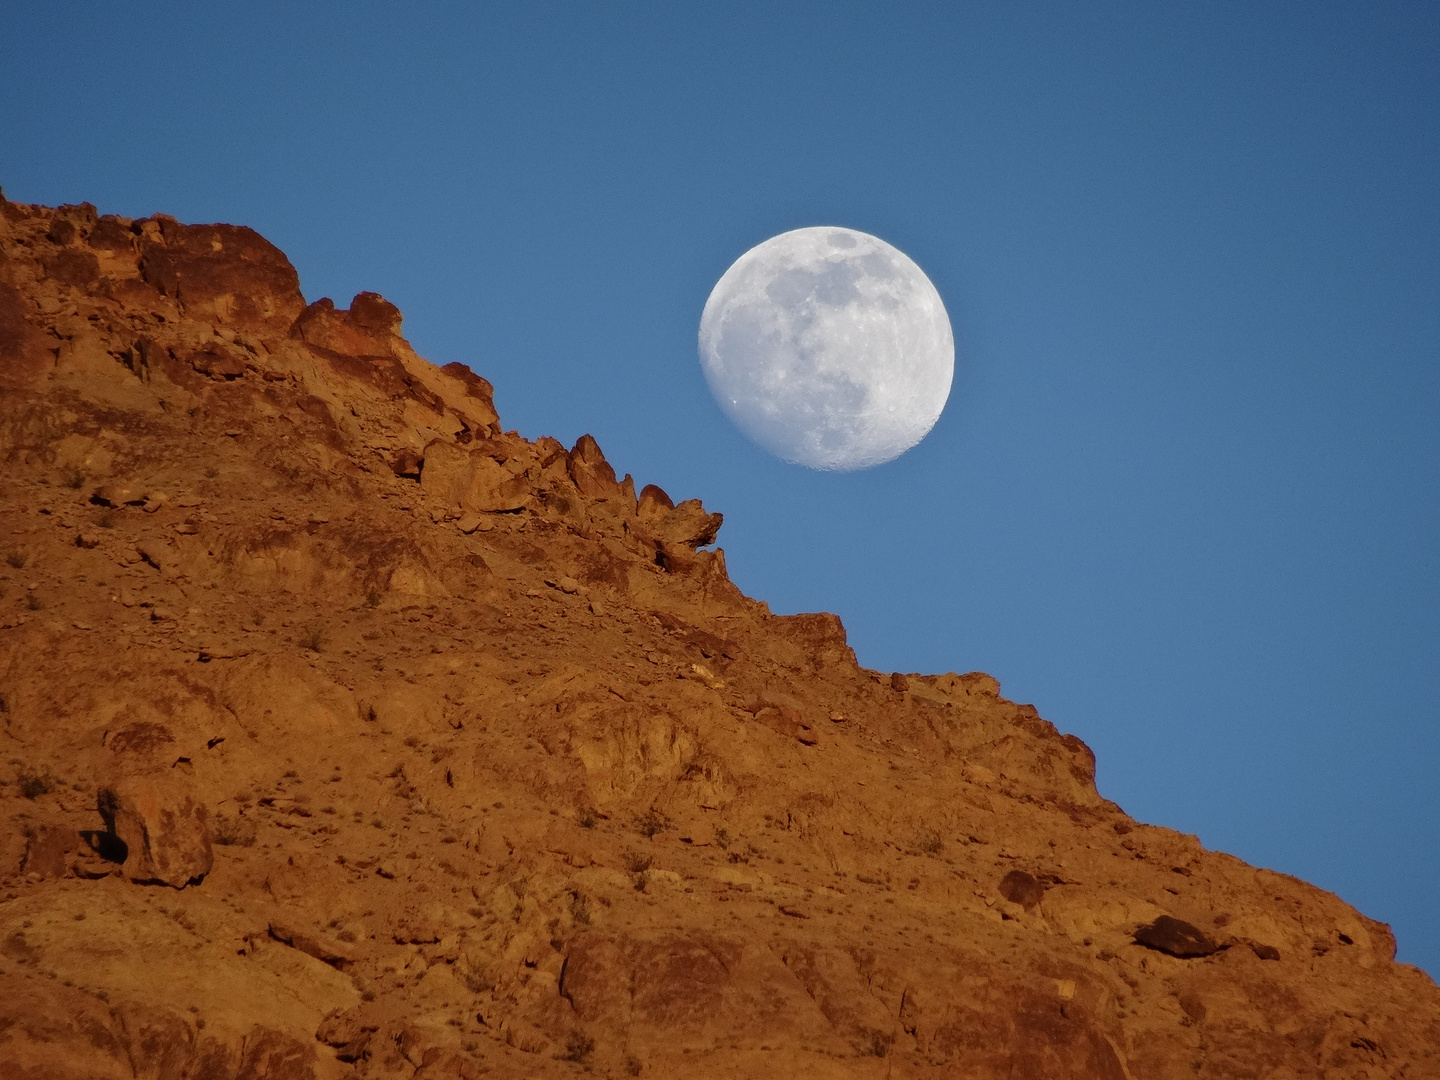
{"x":878,"y":1043}
{"x":639,"y":867}
{"x":637,"y":863}
{"x":73,"y":479}
{"x":233,"y":831}
{"x":33,"y":785}
{"x":477,"y":981}
{"x":652,"y":822}
{"x":578,"y":1047}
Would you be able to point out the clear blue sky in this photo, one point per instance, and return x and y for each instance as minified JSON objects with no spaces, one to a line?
{"x":1186,"y":495}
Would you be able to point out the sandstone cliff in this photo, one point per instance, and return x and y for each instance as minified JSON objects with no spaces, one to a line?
{"x":344,"y":733}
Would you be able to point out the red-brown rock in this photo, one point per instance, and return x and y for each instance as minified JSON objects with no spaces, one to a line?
{"x":367,"y":328}
{"x":225,"y":274}
{"x":1176,"y":937}
{"x":1021,"y":888}
{"x":165,"y":831}
{"x":592,"y":474}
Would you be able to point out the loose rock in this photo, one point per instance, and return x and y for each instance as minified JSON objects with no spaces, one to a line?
{"x":165,"y":832}
{"x":1176,"y":938}
{"x":1021,"y":888}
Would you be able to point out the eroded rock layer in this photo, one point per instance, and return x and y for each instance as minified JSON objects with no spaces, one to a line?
{"x":345,"y":733}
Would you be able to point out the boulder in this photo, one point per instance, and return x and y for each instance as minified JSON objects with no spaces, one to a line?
{"x":593,"y":476}
{"x":366,"y":329}
{"x":1021,"y":888}
{"x":226,"y":274}
{"x":164,"y":830}
{"x":408,"y":465}
{"x":686,"y":525}
{"x":473,"y":480}
{"x":48,"y":850}
{"x":1175,"y":937}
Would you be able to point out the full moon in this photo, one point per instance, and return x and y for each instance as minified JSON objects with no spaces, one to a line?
{"x":829,"y":348}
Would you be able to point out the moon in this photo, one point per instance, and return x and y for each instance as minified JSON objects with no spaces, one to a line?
{"x":829,"y":348}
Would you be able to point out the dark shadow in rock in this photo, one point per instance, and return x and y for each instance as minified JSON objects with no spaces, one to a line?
{"x":106,"y":844}
{"x":1021,"y":888}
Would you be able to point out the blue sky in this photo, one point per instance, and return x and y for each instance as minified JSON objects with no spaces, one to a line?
{"x":1184,"y":497}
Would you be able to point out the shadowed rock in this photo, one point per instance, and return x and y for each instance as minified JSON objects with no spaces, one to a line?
{"x":1176,"y":938}
{"x":1021,"y":888}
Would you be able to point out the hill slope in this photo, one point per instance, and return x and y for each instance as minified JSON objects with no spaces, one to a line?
{"x":345,"y":733}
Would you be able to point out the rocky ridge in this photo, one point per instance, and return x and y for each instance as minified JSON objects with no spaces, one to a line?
{"x":348,"y":734}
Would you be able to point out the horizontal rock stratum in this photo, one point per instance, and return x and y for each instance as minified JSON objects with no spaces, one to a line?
{"x":348,"y":734}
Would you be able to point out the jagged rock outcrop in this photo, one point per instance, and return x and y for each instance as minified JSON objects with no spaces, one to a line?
{"x":347,"y":734}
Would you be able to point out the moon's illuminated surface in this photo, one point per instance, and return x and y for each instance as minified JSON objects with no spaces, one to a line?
{"x":829,"y":348}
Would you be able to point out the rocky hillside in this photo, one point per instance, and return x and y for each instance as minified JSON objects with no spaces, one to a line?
{"x":348,"y":734}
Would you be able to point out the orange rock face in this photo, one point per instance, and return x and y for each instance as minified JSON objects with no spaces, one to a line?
{"x":346,"y":734}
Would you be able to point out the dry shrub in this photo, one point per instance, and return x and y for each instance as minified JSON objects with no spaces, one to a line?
{"x":233,"y":831}
{"x":639,"y":867}
{"x":578,"y":1047}
{"x":33,"y":784}
{"x":877,"y":1043}
{"x":652,"y":822}
{"x":637,"y":863}
{"x":313,"y":639}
